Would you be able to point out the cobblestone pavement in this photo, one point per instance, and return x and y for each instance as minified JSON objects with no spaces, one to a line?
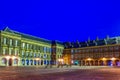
{"x":70,"y":73}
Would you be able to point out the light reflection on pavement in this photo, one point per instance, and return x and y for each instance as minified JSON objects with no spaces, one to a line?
{"x":73,"y":73}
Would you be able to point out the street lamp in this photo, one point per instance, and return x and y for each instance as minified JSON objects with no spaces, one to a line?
{"x":37,"y":59}
{"x":60,"y":62}
{"x":89,"y":59}
{"x":13,"y":57}
{"x":103,"y":59}
{"x":113,"y":59}
{"x":7,"y":57}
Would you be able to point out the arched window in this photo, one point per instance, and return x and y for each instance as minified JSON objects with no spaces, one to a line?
{"x":30,"y":54}
{"x":27,"y":62}
{"x":15,"y":61}
{"x":22,"y":53}
{"x":23,"y":61}
{"x":4,"y":60}
{"x":34,"y":62}
{"x":31,"y":62}
{"x":34,"y":54}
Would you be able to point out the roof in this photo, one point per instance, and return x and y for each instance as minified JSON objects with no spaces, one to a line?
{"x":111,"y":41}
{"x":27,"y":36}
{"x":89,"y":43}
{"x":100,"y":42}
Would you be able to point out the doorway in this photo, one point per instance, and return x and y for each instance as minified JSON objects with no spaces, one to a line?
{"x":10,"y":62}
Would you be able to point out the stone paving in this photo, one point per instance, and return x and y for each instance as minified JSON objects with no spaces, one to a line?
{"x":70,"y":73}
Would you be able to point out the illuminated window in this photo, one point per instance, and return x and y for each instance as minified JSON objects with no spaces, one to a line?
{"x":27,"y":46}
{"x":5,"y":40}
{"x":15,"y":61}
{"x":10,"y":42}
{"x":34,"y":54}
{"x":4,"y":51}
{"x":15,"y":51}
{"x":16,"y":42}
{"x":23,"y":45}
{"x":44,"y":49}
{"x":4,"y":61}
{"x":27,"y":54}
{"x":22,"y":53}
{"x":10,"y":51}
{"x":50,"y":50}
{"x":45,"y":56}
{"x":30,"y":54}
{"x":72,"y":51}
{"x":39,"y":55}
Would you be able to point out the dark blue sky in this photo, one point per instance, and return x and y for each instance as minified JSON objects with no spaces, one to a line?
{"x":62,"y":20}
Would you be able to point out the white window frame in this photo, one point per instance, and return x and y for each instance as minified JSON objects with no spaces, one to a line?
{"x":4,"y":40}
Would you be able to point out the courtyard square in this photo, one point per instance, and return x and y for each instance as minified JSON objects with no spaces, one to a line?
{"x":70,"y":73}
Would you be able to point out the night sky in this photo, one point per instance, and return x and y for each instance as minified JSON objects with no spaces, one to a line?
{"x":62,"y":20}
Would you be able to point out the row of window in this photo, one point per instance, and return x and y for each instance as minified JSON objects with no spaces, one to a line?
{"x":35,"y":47}
{"x":96,"y":49}
{"x":117,"y":54}
{"x":35,"y":62}
{"x":16,"y":43}
{"x":59,"y":56}
{"x":4,"y":61}
{"x":10,"y":51}
{"x":11,"y":42}
{"x":35,"y":55}
{"x":57,"y":50}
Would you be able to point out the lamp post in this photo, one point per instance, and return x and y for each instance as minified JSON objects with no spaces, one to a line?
{"x":104,"y":61}
{"x":37,"y":61}
{"x":89,"y":59}
{"x":113,"y":61}
{"x":60,"y":62}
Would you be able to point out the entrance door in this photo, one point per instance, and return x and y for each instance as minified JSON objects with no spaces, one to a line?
{"x":10,"y":62}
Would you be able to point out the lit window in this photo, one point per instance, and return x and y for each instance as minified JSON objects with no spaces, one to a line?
{"x":22,"y":53}
{"x":44,"y":49}
{"x":15,"y":51}
{"x":4,"y":61}
{"x":45,"y":56}
{"x":31,"y":54}
{"x":23,"y":45}
{"x":27,"y":54}
{"x":10,"y":42}
{"x":34,"y":54}
{"x":5,"y":40}
{"x":4,"y":51}
{"x":27,"y":46}
{"x":15,"y":61}
{"x":10,"y":51}
{"x":16,"y":42}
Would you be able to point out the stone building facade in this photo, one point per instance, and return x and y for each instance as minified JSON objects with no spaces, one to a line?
{"x":99,"y":52}
{"x":19,"y":49}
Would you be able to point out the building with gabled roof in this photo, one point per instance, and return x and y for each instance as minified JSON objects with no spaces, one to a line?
{"x":93,"y":52}
{"x":19,"y":49}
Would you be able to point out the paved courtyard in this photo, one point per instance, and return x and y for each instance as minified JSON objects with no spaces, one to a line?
{"x":70,"y":73}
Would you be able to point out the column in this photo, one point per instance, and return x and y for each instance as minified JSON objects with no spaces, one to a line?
{"x":85,"y":63}
{"x":93,"y":62}
{"x":113,"y":63}
{"x":104,"y":63}
{"x":81,"y":62}
{"x":98,"y":63}
{"x":7,"y":63}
